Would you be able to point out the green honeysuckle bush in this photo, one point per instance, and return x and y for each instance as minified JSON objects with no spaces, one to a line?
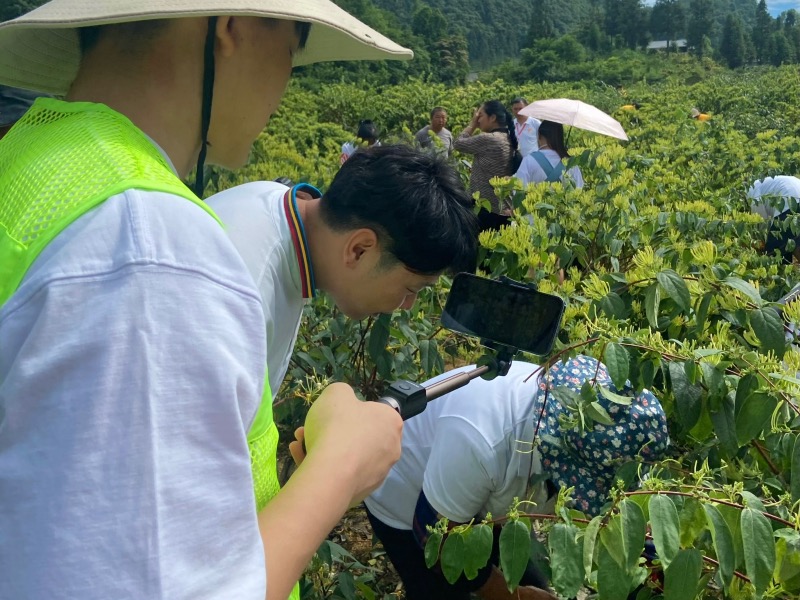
{"x":659,"y":260}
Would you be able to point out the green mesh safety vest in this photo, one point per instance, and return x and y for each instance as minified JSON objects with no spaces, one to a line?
{"x":61,"y":160}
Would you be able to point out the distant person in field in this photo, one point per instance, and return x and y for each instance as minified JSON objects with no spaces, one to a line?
{"x":547,"y":164}
{"x":700,"y":116}
{"x":496,"y":154}
{"x":526,"y":128}
{"x":14,"y":102}
{"x":424,"y":137}
{"x":367,"y":135}
{"x":780,"y":187}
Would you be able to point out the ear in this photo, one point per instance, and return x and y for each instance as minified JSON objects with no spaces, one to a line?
{"x":361,"y":245}
{"x":227,"y":40}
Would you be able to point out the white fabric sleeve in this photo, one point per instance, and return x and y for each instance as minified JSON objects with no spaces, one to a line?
{"x":124,"y":470}
{"x":461,"y":473}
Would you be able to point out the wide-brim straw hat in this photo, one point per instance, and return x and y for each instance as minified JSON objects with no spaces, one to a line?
{"x":40,"y":50}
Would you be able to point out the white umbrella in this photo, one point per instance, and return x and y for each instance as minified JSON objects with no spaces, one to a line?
{"x":577,"y":114}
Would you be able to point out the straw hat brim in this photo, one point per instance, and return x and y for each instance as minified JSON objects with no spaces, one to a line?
{"x":40,"y":51}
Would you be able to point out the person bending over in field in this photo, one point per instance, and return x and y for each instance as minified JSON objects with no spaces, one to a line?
{"x":474,"y":450}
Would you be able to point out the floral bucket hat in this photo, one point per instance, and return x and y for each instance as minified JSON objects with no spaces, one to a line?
{"x":589,"y":460}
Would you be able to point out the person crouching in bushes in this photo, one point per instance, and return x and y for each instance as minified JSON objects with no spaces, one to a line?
{"x":367,"y":135}
{"x":474,"y":450}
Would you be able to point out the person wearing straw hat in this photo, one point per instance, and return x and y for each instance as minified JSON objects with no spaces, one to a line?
{"x":474,"y":450}
{"x":14,"y":102}
{"x":132,"y":349}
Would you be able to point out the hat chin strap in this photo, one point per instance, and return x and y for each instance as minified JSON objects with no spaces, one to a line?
{"x":208,"y":96}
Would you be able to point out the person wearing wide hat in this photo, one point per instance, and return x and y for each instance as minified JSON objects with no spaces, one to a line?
{"x":132,"y":350}
{"x":14,"y":103}
{"x":476,"y":449}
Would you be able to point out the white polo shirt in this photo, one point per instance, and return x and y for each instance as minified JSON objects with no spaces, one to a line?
{"x":470,"y":451}
{"x":527,"y":135}
{"x":261,"y":220}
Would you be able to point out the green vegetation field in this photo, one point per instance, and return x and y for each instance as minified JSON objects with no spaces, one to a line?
{"x":664,"y":282}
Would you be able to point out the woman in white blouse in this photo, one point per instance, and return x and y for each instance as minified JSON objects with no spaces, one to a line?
{"x":548,"y":163}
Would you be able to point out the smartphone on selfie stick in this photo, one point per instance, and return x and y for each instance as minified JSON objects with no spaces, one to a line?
{"x":506,"y":315}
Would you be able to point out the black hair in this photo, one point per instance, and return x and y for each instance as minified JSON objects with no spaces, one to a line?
{"x":416,"y":204}
{"x":367,"y":130}
{"x":88,"y":36}
{"x":438,"y":109}
{"x":553,"y":133}
{"x":519,"y":99}
{"x":495,"y":108}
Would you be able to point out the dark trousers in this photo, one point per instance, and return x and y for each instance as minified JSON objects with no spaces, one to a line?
{"x":422,"y":583}
{"x":489,"y":220}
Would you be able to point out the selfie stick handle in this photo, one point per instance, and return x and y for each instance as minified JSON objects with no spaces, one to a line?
{"x":410,"y":399}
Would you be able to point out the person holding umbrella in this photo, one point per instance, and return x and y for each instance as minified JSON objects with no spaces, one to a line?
{"x":548,"y":162}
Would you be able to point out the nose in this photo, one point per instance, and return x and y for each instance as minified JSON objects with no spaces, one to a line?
{"x":408,"y":301}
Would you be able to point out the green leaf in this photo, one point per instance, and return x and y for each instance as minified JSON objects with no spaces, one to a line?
{"x":724,"y":422}
{"x":617,"y":361}
{"x":701,"y":315}
{"x":566,"y":559}
{"x":693,"y":522}
{"x":633,"y":532}
{"x":714,"y":379}
{"x":675,"y":287}
{"x":722,"y":538}
{"x":687,"y":396}
{"x":479,"y":549}
{"x":652,"y":300}
{"x":681,"y":578}
{"x":615,"y":398}
{"x":347,"y":585}
{"x":589,"y":543}
{"x":515,"y":550}
{"x":598,"y":413}
{"x":666,"y":528}
{"x":613,"y":583}
{"x":432,"y":547}
{"x":787,"y":565}
{"x":759,"y":549}
{"x":378,"y":337}
{"x":795,"y":470}
{"x":753,"y":415}
{"x":768,"y":327}
{"x":613,"y":306}
{"x":453,"y":557}
{"x":746,"y":288}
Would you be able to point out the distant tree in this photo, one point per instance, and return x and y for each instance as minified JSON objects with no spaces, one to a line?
{"x":429,"y":23}
{"x":761,"y":34}
{"x":732,"y":47}
{"x":541,"y":26}
{"x":701,"y":22}
{"x":626,"y":19}
{"x":11,"y":9}
{"x":783,"y":52}
{"x":592,"y":37}
{"x":453,"y":59}
{"x":667,"y":19}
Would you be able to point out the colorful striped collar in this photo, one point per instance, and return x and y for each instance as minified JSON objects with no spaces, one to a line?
{"x":299,"y":237}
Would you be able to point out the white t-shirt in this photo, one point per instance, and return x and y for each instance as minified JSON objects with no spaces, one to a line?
{"x":255,"y":219}
{"x":527,"y":135}
{"x":470,"y":451}
{"x":530,"y":171}
{"x":784,"y":186}
{"x":131,"y":368}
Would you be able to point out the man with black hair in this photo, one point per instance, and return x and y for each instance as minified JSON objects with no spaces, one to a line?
{"x":393,"y":220}
{"x":526,"y":128}
{"x":424,"y":137}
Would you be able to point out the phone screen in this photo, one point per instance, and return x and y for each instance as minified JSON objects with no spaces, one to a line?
{"x":504,"y":312}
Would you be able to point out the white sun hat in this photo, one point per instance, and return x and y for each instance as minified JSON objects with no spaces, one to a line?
{"x":40,"y":50}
